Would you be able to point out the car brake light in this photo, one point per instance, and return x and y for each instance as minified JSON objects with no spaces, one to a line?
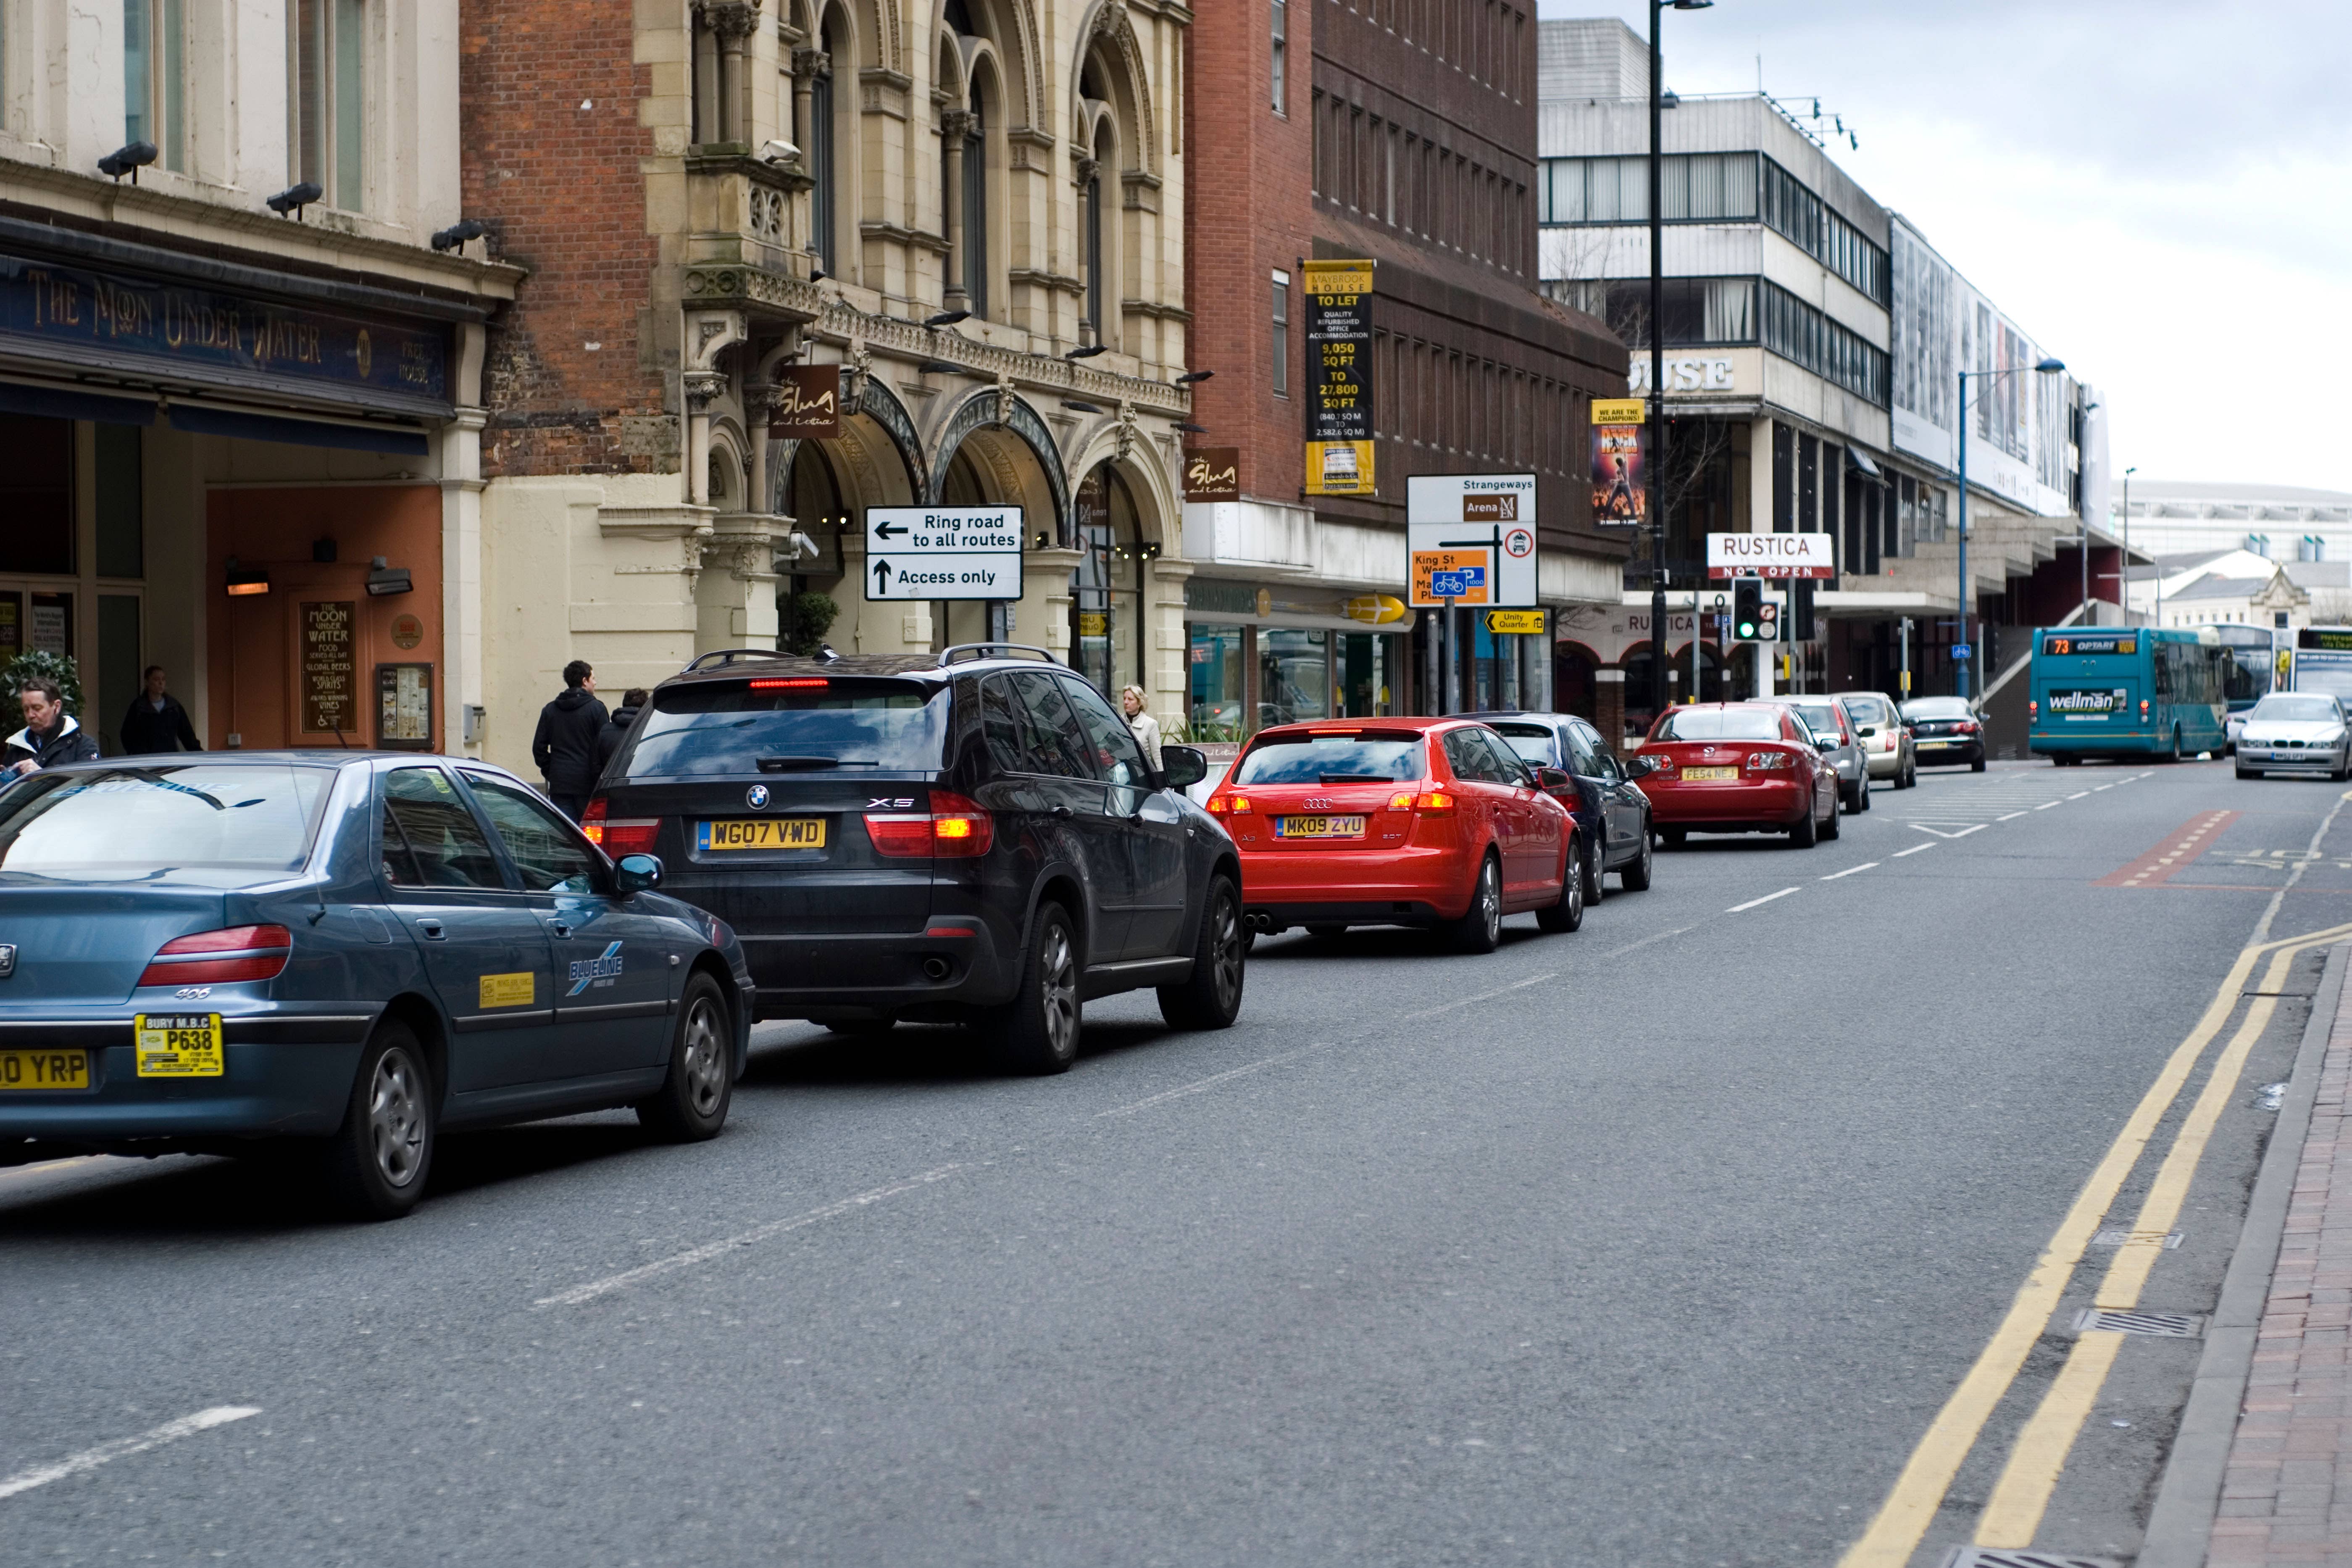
{"x":1401,"y":801}
{"x":1434,"y":801}
{"x":954,"y":829}
{"x":795,"y":683}
{"x":1236,"y":804}
{"x":1767,"y":761}
{"x":2032,"y":709}
{"x":2143,"y":707}
{"x":618,"y":835}
{"x":221,"y":957}
{"x":1965,"y":727}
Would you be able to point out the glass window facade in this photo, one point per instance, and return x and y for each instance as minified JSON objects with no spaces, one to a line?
{"x":1694,"y":187}
{"x":1219,"y":683}
{"x":1797,"y":332}
{"x":1700,"y":312}
{"x":1294,"y":672}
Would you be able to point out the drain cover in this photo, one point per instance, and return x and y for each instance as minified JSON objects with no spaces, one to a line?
{"x":2168,"y":1325}
{"x":1994,"y":1557}
{"x":2118,"y":1237}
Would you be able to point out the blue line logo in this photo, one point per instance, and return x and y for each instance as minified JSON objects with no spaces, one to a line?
{"x":586,"y":972}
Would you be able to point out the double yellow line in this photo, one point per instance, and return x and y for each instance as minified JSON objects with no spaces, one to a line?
{"x":2015,"y":1507}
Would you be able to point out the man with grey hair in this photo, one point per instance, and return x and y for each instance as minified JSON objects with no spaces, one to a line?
{"x":49,"y":736}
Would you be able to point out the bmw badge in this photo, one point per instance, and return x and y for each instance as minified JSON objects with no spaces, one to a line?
{"x":758,"y":797}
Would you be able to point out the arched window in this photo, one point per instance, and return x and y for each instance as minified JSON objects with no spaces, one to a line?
{"x":819,"y":157}
{"x":1093,"y":218}
{"x":975,"y":209}
{"x":1106,"y":589}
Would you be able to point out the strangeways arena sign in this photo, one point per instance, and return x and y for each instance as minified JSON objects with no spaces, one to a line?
{"x":1339,"y":374}
{"x":944,"y":552}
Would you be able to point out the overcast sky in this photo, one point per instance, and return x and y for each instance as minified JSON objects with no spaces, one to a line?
{"x":2161,"y":192}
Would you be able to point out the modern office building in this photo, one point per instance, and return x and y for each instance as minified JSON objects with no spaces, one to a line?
{"x":1812,"y":341}
{"x":2285,"y":522}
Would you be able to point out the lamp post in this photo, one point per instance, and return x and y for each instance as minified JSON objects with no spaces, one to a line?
{"x":2047,"y":367}
{"x":2126,"y":570}
{"x":1652,"y":480}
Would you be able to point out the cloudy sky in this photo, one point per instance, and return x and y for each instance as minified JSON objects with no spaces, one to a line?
{"x":2159,"y":192}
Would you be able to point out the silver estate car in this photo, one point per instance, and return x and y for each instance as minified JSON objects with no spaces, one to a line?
{"x":1885,"y":740}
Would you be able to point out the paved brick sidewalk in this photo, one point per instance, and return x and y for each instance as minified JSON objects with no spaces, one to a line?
{"x":2287,"y":1496}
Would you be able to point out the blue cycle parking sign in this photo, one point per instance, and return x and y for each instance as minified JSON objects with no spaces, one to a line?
{"x":1461,"y":582}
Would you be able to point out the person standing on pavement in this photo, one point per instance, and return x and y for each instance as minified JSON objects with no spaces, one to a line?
{"x":565,"y":746}
{"x":157,"y":721}
{"x":49,"y":736}
{"x":609,"y":738}
{"x":1146,"y":728}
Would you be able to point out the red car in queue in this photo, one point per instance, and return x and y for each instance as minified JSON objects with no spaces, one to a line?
{"x":1736,"y":767}
{"x":1432,"y":823}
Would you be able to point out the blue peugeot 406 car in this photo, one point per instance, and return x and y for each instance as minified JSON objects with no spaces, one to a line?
{"x":222,"y":953}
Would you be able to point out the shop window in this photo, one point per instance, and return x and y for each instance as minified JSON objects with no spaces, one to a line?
{"x":1363,"y":676}
{"x":1294,"y":675}
{"x":36,"y":495}
{"x":1219,"y":687}
{"x":328,"y":82}
{"x":154,"y":74}
{"x":121,"y":533}
{"x":1107,"y":596}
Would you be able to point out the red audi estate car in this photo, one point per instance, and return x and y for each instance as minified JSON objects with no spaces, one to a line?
{"x":1736,"y":767}
{"x":1434,"y":823}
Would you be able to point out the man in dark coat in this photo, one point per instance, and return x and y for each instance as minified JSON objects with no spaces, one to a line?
{"x":49,"y":736}
{"x":157,"y":722}
{"x":609,"y":739}
{"x":565,"y":746}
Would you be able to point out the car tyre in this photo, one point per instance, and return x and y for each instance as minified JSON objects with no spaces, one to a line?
{"x":1635,"y":875}
{"x":1978,"y":766}
{"x":1835,"y":825}
{"x":1675,"y":837}
{"x":691,"y":1104}
{"x":2246,"y":773}
{"x":377,"y":1163}
{"x":1594,"y":866}
{"x":1037,"y":1032}
{"x":1806,"y":832}
{"x":1567,"y":912}
{"x":1480,"y":929}
{"x":1210,"y":997}
{"x":1910,"y":774}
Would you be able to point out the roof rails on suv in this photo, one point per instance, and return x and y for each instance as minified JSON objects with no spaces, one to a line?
{"x":964,"y":653}
{"x":719,"y":657}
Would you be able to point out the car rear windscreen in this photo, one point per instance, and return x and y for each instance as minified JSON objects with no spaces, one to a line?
{"x":1533,"y":743}
{"x":802,"y":725}
{"x":134,"y":822}
{"x":1720,"y":724}
{"x":1334,"y":759}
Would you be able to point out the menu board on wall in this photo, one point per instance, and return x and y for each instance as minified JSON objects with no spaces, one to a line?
{"x":404,"y":695}
{"x":330,"y":701}
{"x":53,"y":624}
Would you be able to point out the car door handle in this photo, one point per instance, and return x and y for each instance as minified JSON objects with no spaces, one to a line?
{"x":432,"y":930}
{"x":1062,"y":814}
{"x":559,"y":928}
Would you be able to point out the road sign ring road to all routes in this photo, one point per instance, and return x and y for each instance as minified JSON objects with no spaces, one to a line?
{"x":920,"y":553}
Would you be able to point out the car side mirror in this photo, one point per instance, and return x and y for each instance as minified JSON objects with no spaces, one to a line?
{"x":1553,"y":779}
{"x":1640,"y":767}
{"x":637,"y":874}
{"x":1182,"y":766}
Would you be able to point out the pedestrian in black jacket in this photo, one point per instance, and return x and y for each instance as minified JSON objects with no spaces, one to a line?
{"x":609,"y":738}
{"x":157,"y":722}
{"x":49,"y":736}
{"x":565,"y":746}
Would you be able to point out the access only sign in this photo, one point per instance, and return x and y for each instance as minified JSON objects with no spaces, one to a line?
{"x":944,"y":553}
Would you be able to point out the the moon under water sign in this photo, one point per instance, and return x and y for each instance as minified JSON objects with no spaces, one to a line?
{"x":944,"y":553}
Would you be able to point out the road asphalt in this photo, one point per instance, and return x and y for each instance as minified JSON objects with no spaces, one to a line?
{"x":1662,"y":1242}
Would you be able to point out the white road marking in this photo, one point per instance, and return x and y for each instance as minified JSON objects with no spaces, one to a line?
{"x":1939,"y":833}
{"x":123,"y":1447}
{"x":2012,"y":817}
{"x":2048,"y":803}
{"x":1656,"y":936}
{"x":1765,"y":899}
{"x":2078,"y":794}
{"x":1482,"y":996}
{"x":578,"y":1294}
{"x":2103,"y":786}
{"x":1200,"y":1084}
{"x":1849,"y":870}
{"x":1915,"y":849}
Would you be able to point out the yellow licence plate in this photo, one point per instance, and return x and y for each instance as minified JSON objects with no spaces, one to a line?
{"x":43,"y":1069}
{"x":179,"y":1044}
{"x":1319,"y":827}
{"x":1717,"y":776}
{"x":764,"y":833}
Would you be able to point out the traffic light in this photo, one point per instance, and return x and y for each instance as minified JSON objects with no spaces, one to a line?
{"x":1801,"y":606}
{"x":1746,"y":609}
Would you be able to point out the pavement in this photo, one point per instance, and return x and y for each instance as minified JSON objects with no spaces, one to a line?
{"x":1677,"y":1240}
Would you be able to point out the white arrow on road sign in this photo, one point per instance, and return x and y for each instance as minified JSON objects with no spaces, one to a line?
{"x":944,"y":553}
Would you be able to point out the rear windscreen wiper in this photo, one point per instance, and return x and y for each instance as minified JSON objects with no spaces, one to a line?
{"x":808,"y":765}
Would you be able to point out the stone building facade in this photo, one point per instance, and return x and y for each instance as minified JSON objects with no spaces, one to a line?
{"x":973,"y":209}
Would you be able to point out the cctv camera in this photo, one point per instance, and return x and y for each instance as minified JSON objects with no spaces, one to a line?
{"x":779,"y":152}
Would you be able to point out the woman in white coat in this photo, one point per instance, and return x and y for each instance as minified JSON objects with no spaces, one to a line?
{"x":1146,"y":728}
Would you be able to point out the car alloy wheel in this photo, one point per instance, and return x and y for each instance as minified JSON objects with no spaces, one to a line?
{"x":1480,"y":929}
{"x":396,"y":1119}
{"x":691,"y":1104}
{"x":1057,"y":990}
{"x":1210,"y":997}
{"x":704,"y":1062}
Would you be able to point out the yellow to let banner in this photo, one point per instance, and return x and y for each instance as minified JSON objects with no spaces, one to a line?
{"x":1339,"y":468}
{"x":1620,"y":411}
{"x":1339,"y":277}
{"x":1515,"y":623}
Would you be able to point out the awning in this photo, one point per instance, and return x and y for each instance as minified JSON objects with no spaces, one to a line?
{"x":61,"y":403}
{"x":1861,"y":462}
{"x":198,"y":421}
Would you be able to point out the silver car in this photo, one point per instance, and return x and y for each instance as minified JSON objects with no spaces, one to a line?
{"x":1837,"y":737}
{"x":2302,"y":732}
{"x":1885,"y":740}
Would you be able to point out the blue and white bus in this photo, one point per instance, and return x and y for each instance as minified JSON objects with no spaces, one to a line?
{"x":2128,"y":691}
{"x":2323,"y":662}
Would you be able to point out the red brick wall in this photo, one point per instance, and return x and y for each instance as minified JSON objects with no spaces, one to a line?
{"x":1248,"y":213}
{"x":559,"y":186}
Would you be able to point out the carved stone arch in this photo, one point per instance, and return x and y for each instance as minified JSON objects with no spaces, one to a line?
{"x":883,"y":407}
{"x":888,"y":40}
{"x":731,"y":451}
{"x":1108,"y":23}
{"x":1142,"y":464}
{"x":980,"y":411}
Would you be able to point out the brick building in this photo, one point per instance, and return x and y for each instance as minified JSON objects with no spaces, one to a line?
{"x":711,"y":197}
{"x":1403,"y":133}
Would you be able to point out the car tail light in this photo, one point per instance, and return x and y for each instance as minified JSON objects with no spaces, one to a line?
{"x":1237,"y":804}
{"x":618,"y":835}
{"x":1965,"y":727}
{"x":1434,"y":802}
{"x":1768,"y":762}
{"x":221,"y":957}
{"x":1401,"y":801}
{"x":2032,"y":709}
{"x":794,"y":683}
{"x":954,"y":829}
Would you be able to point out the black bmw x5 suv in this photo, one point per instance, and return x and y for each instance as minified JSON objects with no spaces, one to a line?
{"x":972,"y":836}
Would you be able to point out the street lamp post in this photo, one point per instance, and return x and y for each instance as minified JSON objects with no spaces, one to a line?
{"x":2047,"y":367}
{"x":1651,"y":481}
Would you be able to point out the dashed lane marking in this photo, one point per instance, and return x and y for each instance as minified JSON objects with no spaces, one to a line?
{"x":1849,"y":870}
{"x":123,"y":1447}
{"x":2012,"y":817}
{"x":1751,"y":903}
{"x":1915,"y":849}
{"x":2048,"y":803}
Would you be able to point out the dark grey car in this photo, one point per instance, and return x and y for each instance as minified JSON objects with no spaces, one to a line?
{"x":233,"y":952}
{"x":1839,"y":740}
{"x":1613,"y":815}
